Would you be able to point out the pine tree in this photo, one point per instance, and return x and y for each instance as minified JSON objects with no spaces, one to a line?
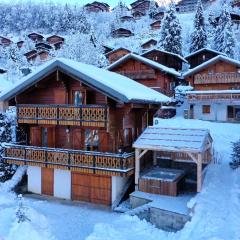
{"x":219,"y":37}
{"x":235,"y":155}
{"x":170,"y":37}
{"x":153,"y":9}
{"x":199,"y":36}
{"x":229,"y":40}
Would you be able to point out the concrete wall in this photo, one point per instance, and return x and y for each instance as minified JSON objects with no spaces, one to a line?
{"x":166,"y":220}
{"x":218,"y":112}
{"x":118,"y":184}
{"x":34,"y":179}
{"x":62,"y":184}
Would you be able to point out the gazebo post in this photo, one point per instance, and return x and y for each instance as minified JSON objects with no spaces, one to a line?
{"x":199,"y":172}
{"x":137,"y":167}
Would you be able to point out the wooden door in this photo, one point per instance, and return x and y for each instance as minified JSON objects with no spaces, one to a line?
{"x":47,"y":181}
{"x":51,"y":137}
{"x":77,"y":138}
{"x":91,"y":188}
{"x":35,"y":136}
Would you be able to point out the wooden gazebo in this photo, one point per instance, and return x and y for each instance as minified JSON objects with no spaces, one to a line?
{"x":190,"y":145}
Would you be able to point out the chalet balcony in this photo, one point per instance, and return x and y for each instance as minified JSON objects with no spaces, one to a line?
{"x":145,"y":74}
{"x":67,"y":159}
{"x":231,"y":77}
{"x":83,"y":115}
{"x":222,"y":97}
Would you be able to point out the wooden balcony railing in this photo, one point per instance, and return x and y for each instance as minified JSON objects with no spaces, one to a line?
{"x":214,"y":96}
{"x":230,"y":77}
{"x":144,"y":74}
{"x":73,"y":160}
{"x":83,"y":115}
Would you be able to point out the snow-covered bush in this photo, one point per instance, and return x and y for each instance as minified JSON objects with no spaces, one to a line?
{"x":7,"y":128}
{"x":180,"y":92}
{"x":235,"y":155}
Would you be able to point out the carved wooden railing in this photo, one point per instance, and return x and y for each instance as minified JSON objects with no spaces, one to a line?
{"x":74,"y":160}
{"x":227,"y":77}
{"x":214,"y":96}
{"x":144,"y":74}
{"x":83,"y":115}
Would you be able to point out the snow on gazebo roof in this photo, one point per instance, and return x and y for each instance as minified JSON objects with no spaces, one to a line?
{"x":209,"y":62}
{"x":173,"y":139}
{"x":114,"y":85}
{"x":231,"y":91}
{"x":146,"y":61}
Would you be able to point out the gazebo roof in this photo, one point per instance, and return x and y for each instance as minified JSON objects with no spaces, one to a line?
{"x":173,"y":139}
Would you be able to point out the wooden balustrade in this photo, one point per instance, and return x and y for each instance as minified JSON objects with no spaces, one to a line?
{"x":144,"y":74}
{"x":74,"y":160}
{"x":83,"y":115}
{"x":214,"y":96}
{"x":224,"y":77}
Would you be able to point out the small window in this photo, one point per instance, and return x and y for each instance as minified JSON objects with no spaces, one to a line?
{"x":204,"y":57}
{"x":44,"y":137}
{"x":172,"y":86}
{"x":206,"y":109}
{"x":78,"y":98}
{"x":91,"y":140}
{"x":238,"y":70}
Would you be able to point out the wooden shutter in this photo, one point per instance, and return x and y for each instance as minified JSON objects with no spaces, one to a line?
{"x":35,"y":136}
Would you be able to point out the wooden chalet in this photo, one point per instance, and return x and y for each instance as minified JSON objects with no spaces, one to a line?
{"x":149,"y":44}
{"x":116,"y":54}
{"x":141,"y":6}
{"x":202,"y":55}
{"x":137,"y":14}
{"x":43,"y":46}
{"x":79,"y":129}
{"x":127,"y":18}
{"x":156,"y":25}
{"x":235,"y":17}
{"x":20,"y":43}
{"x":5,"y":41}
{"x":41,"y":54}
{"x":54,"y":39}
{"x":214,"y":105}
{"x":36,"y":37}
{"x":147,"y":72}
{"x":218,"y":73}
{"x":236,"y":3}
{"x":177,"y":154}
{"x":159,"y":15}
{"x":165,"y":58}
{"x":122,"y":32}
{"x":97,"y":7}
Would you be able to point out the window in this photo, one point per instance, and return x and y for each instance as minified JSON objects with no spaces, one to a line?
{"x":204,"y":57}
{"x":78,"y":98}
{"x":91,"y":140}
{"x":44,"y":137}
{"x":172,"y":86}
{"x":238,"y":70}
{"x":206,"y":109}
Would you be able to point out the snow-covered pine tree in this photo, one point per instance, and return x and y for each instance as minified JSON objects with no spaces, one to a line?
{"x":221,"y":26}
{"x":170,"y":36}
{"x":235,"y":155}
{"x":6,"y":128}
{"x":153,"y":8}
{"x":198,"y":36}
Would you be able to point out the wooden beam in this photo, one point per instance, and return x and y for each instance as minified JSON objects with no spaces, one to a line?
{"x":137,"y":167}
{"x":154,"y":158}
{"x":192,"y":156}
{"x":142,"y":153}
{"x":199,"y":172}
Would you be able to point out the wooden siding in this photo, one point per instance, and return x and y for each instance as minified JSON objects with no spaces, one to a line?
{"x":218,"y":76}
{"x":92,"y":188}
{"x":115,"y":55}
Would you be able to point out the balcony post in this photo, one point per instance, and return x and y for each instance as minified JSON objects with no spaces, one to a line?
{"x":69,"y":160}
{"x":45,"y":158}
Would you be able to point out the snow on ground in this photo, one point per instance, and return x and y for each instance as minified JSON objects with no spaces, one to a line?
{"x":216,"y":214}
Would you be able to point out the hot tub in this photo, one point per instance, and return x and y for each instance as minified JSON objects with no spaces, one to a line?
{"x":162,"y":181}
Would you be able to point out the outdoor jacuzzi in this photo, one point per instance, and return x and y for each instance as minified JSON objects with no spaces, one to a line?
{"x":163,"y":181}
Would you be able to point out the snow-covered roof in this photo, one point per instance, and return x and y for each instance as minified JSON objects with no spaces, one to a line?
{"x":173,"y":139}
{"x":146,"y":61}
{"x":163,"y":51}
{"x":204,"y":49}
{"x":117,"y":49}
{"x":209,"y":62}
{"x":114,"y":85}
{"x":214,"y":92}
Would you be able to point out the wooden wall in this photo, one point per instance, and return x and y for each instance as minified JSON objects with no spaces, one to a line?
{"x":160,"y":81}
{"x":114,"y":56}
{"x":219,"y":67}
